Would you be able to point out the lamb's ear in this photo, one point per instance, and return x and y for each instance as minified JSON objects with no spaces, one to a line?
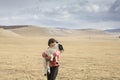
{"x":57,"y":42}
{"x":60,"y":47}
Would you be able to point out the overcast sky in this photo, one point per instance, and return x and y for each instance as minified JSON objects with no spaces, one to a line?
{"x":101,"y":14}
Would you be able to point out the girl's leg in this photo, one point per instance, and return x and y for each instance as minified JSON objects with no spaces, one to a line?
{"x":54,"y":72}
{"x":48,"y":76}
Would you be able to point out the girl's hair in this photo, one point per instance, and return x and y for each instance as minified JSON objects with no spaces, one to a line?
{"x":52,"y":40}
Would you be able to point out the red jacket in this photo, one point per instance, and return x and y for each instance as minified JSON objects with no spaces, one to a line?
{"x":53,"y":63}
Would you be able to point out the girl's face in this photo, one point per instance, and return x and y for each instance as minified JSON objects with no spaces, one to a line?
{"x":52,"y":44}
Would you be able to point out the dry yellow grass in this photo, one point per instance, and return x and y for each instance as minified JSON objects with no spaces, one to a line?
{"x":83,"y":59}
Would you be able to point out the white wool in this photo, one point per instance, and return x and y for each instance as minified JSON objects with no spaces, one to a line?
{"x":49,"y":52}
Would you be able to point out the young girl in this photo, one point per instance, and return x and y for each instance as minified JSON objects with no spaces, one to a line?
{"x":49,"y":52}
{"x":54,"y":64}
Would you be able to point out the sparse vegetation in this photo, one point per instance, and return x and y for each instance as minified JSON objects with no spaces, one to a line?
{"x":85,"y":58}
{"x":119,"y":37}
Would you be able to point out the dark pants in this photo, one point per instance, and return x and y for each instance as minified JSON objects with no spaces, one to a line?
{"x":53,"y":73}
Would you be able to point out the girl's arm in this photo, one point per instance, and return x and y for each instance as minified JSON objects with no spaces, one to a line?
{"x":57,"y":54}
{"x":45,"y":56}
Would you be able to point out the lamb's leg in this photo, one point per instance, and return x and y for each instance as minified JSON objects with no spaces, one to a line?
{"x":56,"y":59}
{"x":45,"y":66}
{"x":48,"y":67}
{"x":51,"y":59}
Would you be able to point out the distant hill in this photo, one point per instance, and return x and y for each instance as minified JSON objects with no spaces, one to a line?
{"x":35,"y":31}
{"x":7,"y":33}
{"x":38,"y":31}
{"x":113,"y":30}
{"x":93,"y":31}
{"x":14,"y":27}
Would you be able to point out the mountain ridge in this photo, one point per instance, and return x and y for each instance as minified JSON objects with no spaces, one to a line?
{"x":32,"y":30}
{"x":117,"y":30}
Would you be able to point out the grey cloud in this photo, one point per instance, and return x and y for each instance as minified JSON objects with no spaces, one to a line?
{"x":77,"y":13}
{"x":115,"y":8}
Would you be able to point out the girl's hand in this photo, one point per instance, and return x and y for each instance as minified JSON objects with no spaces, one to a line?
{"x":45,"y":56}
{"x":48,"y":57}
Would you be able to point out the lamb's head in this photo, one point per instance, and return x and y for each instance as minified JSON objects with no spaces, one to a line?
{"x":50,"y":51}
